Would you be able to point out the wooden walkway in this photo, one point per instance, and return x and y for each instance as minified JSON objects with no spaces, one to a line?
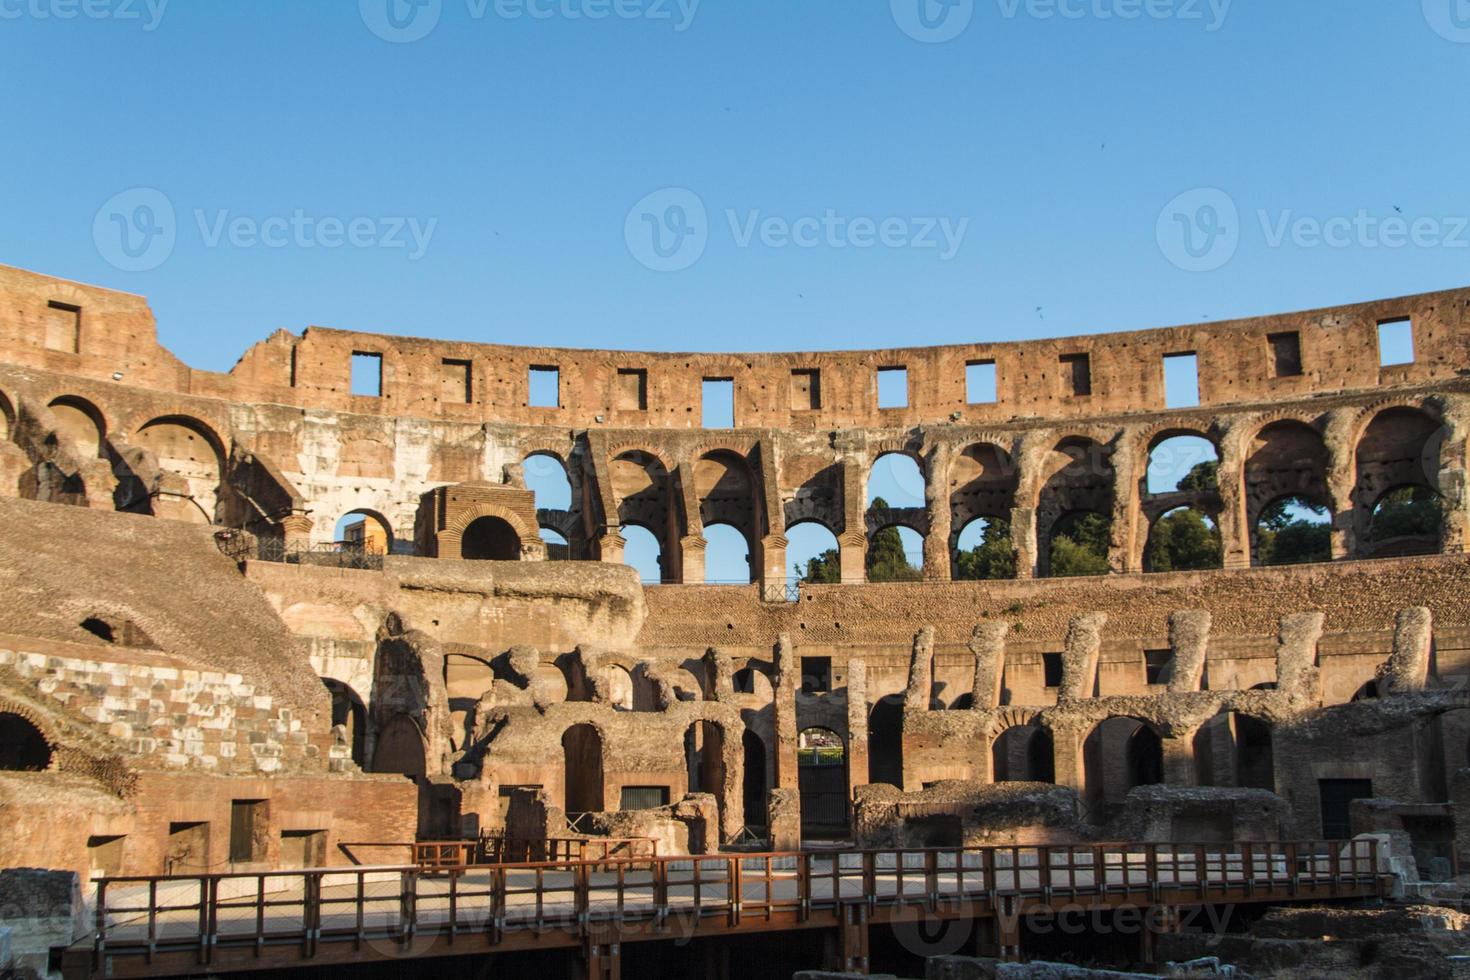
{"x":176,"y":926}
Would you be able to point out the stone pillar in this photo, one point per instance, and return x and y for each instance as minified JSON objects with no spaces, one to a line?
{"x":1067,"y":754}
{"x":937,"y":563}
{"x":1121,"y":549}
{"x":1079,"y":658}
{"x":610,"y":546}
{"x":691,"y":568}
{"x":1235,"y":541}
{"x":786,"y":682}
{"x":774,"y":574}
{"x":1341,"y":465}
{"x":921,"y":673}
{"x":1407,"y":669}
{"x":852,"y":550}
{"x":296,"y":530}
{"x":783,"y":815}
{"x":1179,"y":768}
{"x":857,"y":725}
{"x":988,"y":644}
{"x":1296,"y":655}
{"x":719,"y":676}
{"x":1023,"y":539}
{"x":1029,"y":454}
{"x":1452,"y":480}
{"x":1189,"y":637}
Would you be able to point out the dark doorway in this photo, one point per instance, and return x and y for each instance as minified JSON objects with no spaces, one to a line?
{"x":490,"y":539}
{"x":755,"y":779}
{"x":885,"y":742}
{"x":22,"y":747}
{"x":821,"y":770}
{"x":582,"y":753}
{"x":1336,"y":796}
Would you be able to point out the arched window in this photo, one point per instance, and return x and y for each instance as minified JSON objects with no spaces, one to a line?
{"x":582,"y":755}
{"x":546,"y":477}
{"x":1024,"y":754}
{"x":1183,"y":540}
{"x":821,"y":770}
{"x":896,"y":479}
{"x":1079,"y":544}
{"x":641,"y":551}
{"x":885,"y":741}
{"x":557,"y":547}
{"x":22,"y":746}
{"x":813,"y":554}
{"x":1183,"y":464}
{"x":1119,"y":754}
{"x":366,"y":531}
{"x":984,"y":551}
{"x":81,"y":423}
{"x":1292,"y":531}
{"x":1406,"y":521}
{"x":490,"y":539}
{"x":726,"y":556}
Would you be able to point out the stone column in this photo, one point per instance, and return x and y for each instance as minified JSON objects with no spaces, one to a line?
{"x":988,"y":644}
{"x":1296,"y":655}
{"x":1189,"y":637}
{"x":1079,"y":658}
{"x":921,"y":673}
{"x":1452,"y":481}
{"x":1067,"y":754}
{"x":296,"y":530}
{"x":1125,"y":502}
{"x":786,"y":682}
{"x":1341,"y":465}
{"x":936,"y":504}
{"x":852,"y":551}
{"x":853,"y":541}
{"x":610,"y":546}
{"x":1235,"y":541}
{"x":773,"y":573}
{"x":1407,"y":669}
{"x":1179,"y":768}
{"x":857,"y":725}
{"x":691,"y":550}
{"x":1030,"y":458}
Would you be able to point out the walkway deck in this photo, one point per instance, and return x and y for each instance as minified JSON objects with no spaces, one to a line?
{"x":229,"y":923}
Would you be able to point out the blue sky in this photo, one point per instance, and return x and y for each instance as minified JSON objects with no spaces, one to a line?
{"x":862,"y":183}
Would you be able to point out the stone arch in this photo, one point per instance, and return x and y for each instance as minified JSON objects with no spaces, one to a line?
{"x":704,"y":757}
{"x":885,"y":741}
{"x":23,"y":746}
{"x":452,"y":538}
{"x":191,"y":456}
{"x":373,"y":534}
{"x":1397,"y":449}
{"x":349,"y":714}
{"x":1234,"y":748}
{"x":401,"y":747}
{"x":7,"y":416}
{"x":82,"y":422}
{"x":821,"y":772}
{"x":1184,"y":539}
{"x":811,"y":490}
{"x":1022,"y":749}
{"x":1120,"y":753}
{"x":641,"y":483}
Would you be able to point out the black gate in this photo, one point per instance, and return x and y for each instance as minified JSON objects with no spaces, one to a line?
{"x":823,"y":799}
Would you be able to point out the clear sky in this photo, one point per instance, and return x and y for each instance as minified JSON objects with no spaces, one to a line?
{"x":733,"y":174}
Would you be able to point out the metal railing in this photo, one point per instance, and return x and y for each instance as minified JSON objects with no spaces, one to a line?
{"x":311,"y":913}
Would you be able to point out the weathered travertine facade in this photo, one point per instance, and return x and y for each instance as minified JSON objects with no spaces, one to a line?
{"x":190,"y":659}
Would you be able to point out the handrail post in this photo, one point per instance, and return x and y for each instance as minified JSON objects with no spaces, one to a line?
{"x":99,"y":947}
{"x":735,"y":889}
{"x":804,"y":885}
{"x":581,"y":898}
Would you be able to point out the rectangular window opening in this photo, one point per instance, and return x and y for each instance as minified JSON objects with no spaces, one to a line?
{"x":1156,"y":665}
{"x":893,"y":387}
{"x":1286,"y":354}
{"x":980,"y":383}
{"x":816,"y":675}
{"x":806,"y":390}
{"x":1051,"y":664}
{"x":644,"y":797}
{"x":632,"y":391}
{"x":1395,"y":342}
{"x":545,"y":382}
{"x":1181,"y":380}
{"x":367,"y":374}
{"x":717,"y":403}
{"x":1077,"y":374}
{"x":188,"y":848}
{"x":63,"y":327}
{"x":456,"y":382}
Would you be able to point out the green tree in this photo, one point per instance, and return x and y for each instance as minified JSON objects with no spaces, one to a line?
{"x":993,"y":558}
{"x":886,"y":559}
{"x":1182,"y":541}
{"x":825,"y":569}
{"x":1079,"y":545}
{"x":1284,"y":538}
{"x":1203,"y":476}
{"x":1407,"y":512}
